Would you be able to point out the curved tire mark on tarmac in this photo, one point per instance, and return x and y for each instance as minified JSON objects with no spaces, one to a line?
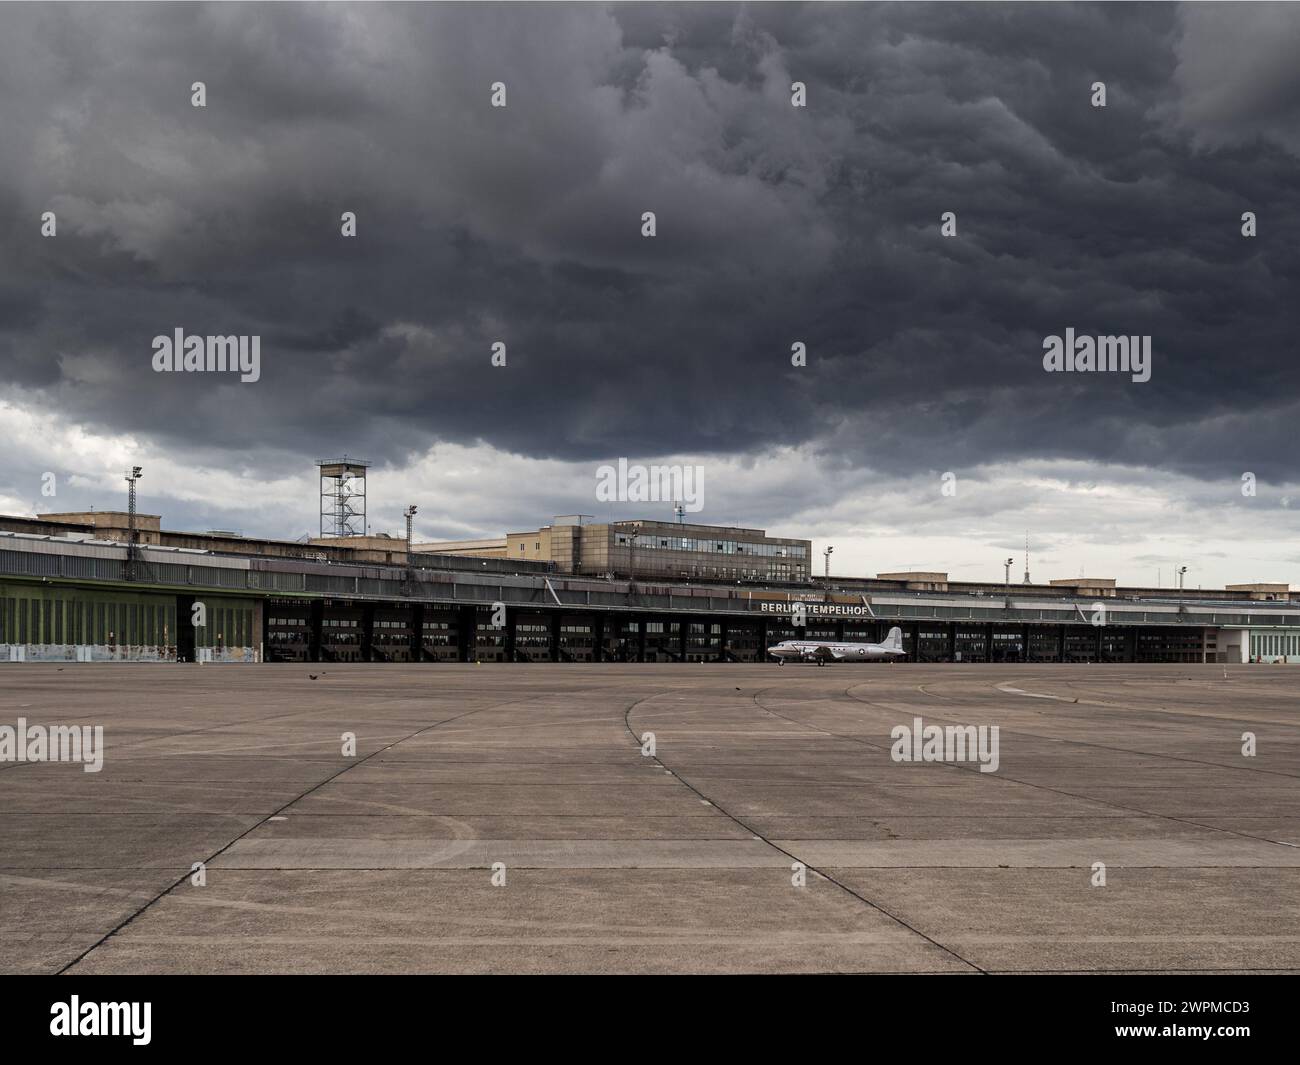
{"x":627,"y":721}
{"x":1181,"y":715}
{"x":274,"y":813}
{"x":1075,"y":795}
{"x":1199,"y":718}
{"x":178,"y":735}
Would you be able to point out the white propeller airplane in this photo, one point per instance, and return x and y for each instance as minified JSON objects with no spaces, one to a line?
{"x":821,"y":651}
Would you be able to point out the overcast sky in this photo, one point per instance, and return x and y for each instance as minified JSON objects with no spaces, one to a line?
{"x":774,"y":224}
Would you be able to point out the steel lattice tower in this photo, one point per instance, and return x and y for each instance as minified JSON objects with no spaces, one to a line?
{"x":343,"y":496}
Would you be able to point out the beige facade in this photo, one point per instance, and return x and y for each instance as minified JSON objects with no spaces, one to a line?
{"x":918,"y":580}
{"x":532,"y":546}
{"x":1263,"y":591}
{"x":387,"y":549}
{"x":468,"y":548}
{"x":1087,"y":586}
{"x":111,"y":524}
{"x":655,"y":549}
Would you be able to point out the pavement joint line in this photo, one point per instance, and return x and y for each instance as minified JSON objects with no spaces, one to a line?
{"x":208,"y":861}
{"x":627,"y":721}
{"x":187,"y":732}
{"x":1152,"y":754}
{"x":810,"y":793}
{"x":1070,"y":794}
{"x":1008,"y":779}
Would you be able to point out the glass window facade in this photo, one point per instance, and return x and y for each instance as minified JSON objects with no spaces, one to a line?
{"x":663,"y":552}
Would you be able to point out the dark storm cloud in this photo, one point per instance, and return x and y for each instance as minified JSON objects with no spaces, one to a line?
{"x":775,"y":224}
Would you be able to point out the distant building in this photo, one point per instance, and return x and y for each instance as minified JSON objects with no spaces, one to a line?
{"x":70,"y":592}
{"x":652,"y":550}
{"x":468,"y":548}
{"x":1087,"y":586}
{"x":109,"y":524}
{"x":918,"y":580}
{"x":1261,"y":591}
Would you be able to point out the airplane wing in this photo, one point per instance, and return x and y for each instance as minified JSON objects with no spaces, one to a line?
{"x":825,"y":654}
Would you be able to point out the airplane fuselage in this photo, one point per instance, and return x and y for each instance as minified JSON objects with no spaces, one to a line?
{"x":830,"y":651}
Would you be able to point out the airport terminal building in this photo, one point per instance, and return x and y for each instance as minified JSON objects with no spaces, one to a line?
{"x":649,"y":550}
{"x":72,"y":589}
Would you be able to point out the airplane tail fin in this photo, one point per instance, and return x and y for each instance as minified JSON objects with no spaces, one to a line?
{"x":894,"y":641}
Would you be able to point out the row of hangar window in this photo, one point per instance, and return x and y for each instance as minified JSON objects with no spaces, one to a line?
{"x":1274,"y":644}
{"x":725,"y":547}
{"x":72,"y":621}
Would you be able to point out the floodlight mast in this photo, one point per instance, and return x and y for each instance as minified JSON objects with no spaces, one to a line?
{"x":409,"y":514}
{"x":132,"y":551}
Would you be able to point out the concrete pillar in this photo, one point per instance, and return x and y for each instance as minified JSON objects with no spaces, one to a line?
{"x":185,"y":637}
{"x":259,"y":629}
{"x":598,"y":638}
{"x":315,"y":626}
{"x":367,"y":632}
{"x":554,"y":619}
{"x":416,"y":647}
{"x":467,"y":634}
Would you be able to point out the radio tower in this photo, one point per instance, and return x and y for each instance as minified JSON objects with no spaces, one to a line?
{"x":1027,"y":580}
